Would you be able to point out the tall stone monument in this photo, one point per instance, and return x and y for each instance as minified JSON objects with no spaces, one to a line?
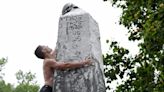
{"x":78,"y":38}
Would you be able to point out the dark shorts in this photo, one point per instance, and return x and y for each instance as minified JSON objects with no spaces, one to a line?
{"x":46,"y":88}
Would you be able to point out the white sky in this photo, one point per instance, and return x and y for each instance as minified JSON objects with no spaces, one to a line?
{"x":24,"y":24}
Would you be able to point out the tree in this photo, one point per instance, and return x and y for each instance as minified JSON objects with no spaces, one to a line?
{"x":145,"y":22}
{"x":26,"y":82}
{"x":4,"y":87}
{"x":3,"y":61}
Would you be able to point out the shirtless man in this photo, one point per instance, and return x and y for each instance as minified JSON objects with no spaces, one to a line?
{"x":50,"y":64}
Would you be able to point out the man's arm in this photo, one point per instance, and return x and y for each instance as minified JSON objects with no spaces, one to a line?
{"x":70,"y":65}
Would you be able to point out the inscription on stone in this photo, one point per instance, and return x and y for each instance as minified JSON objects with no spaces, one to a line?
{"x":73,"y":26}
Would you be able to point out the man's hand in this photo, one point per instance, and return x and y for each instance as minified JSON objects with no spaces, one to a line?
{"x":87,"y":61}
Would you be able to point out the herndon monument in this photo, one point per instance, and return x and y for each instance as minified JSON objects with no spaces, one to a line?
{"x":79,"y":38}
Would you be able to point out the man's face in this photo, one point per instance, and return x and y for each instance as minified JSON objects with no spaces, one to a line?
{"x":46,"y":49}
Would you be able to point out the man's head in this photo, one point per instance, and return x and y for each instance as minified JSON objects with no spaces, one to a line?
{"x":42,"y":51}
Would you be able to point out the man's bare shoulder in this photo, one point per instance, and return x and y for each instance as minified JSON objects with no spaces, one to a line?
{"x":49,"y":61}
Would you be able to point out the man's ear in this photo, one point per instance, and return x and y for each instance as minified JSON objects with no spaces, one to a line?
{"x":43,"y":50}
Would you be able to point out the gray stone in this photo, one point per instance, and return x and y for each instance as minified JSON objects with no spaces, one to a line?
{"x":79,"y":38}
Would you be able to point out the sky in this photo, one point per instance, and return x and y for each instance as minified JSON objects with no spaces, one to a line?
{"x":25,"y":24}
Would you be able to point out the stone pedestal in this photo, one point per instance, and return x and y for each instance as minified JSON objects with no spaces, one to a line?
{"x":79,"y":38}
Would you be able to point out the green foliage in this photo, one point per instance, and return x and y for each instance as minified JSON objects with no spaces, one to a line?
{"x":118,"y":63}
{"x":26,"y":78}
{"x":145,"y":71}
{"x":141,"y":70}
{"x":26,"y":82}
{"x":26,"y":88}
{"x":5,"y":87}
{"x":144,"y":19}
{"x":3,"y":61}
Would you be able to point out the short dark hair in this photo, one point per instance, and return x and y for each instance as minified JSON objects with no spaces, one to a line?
{"x":39,"y":53}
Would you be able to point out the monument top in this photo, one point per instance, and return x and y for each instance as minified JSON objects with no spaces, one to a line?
{"x":68,"y":7}
{"x":71,"y":9}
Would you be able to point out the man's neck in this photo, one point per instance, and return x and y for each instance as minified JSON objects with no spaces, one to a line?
{"x":49,"y":56}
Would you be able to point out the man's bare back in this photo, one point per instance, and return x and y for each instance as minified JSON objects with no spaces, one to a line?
{"x":48,"y":72}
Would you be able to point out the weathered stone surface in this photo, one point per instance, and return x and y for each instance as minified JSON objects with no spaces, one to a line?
{"x":78,"y":38}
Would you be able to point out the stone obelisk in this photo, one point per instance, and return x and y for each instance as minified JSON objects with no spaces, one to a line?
{"x":79,"y":38}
